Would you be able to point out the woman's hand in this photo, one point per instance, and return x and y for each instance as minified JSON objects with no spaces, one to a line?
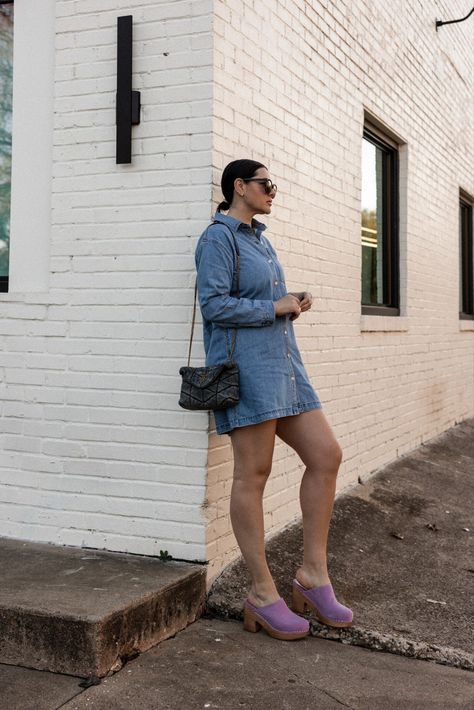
{"x":287,"y":304}
{"x":306,"y":301}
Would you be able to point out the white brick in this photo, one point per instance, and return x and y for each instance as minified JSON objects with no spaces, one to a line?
{"x":84,"y":391}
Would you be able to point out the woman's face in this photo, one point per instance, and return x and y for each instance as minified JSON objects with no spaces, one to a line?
{"x":253,"y":193}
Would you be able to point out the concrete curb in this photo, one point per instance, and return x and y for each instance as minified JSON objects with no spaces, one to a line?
{"x":399,"y":645}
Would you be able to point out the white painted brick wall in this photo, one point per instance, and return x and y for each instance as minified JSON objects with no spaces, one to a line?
{"x":95,"y":450}
{"x":292,"y":80}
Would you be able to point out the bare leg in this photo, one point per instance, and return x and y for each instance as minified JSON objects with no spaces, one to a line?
{"x":253,"y":453}
{"x":310,"y":435}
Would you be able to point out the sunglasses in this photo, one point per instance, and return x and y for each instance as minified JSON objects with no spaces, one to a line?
{"x":268,"y":185}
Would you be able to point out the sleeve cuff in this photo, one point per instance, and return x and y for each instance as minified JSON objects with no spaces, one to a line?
{"x":268,"y":314}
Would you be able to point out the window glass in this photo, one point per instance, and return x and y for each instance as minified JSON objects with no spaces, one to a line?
{"x":372,"y":224}
{"x":466,"y":261}
{"x":461,"y":258}
{"x":6,"y":80}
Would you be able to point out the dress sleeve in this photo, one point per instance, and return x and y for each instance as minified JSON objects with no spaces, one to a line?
{"x":215,"y":270}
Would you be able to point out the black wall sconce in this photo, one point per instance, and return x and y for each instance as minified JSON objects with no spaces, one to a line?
{"x":128,"y":101}
{"x":450,"y":22}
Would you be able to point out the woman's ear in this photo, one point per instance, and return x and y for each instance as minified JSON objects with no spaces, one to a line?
{"x":238,"y":186}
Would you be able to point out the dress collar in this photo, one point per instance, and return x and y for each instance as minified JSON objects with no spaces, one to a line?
{"x":235,"y":224}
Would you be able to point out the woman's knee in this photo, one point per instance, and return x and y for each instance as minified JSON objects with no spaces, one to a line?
{"x":327,"y":458}
{"x":333,"y":455}
{"x":337,"y":453}
{"x":256,"y":472}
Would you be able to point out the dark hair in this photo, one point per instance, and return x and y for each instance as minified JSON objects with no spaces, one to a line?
{"x":235,"y":169}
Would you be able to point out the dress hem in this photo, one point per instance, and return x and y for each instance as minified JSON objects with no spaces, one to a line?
{"x":272,"y":414}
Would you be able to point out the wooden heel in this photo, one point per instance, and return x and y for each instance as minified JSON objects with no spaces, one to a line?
{"x":299,"y":603}
{"x":250,"y":623}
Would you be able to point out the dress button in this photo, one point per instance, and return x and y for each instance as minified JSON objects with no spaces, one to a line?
{"x":275,"y":282}
{"x":292,"y":377}
{"x":270,"y":260}
{"x":286,"y":332}
{"x":288,"y":354}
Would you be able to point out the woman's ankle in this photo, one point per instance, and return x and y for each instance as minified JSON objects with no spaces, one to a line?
{"x":312,"y":576}
{"x":261,"y":595}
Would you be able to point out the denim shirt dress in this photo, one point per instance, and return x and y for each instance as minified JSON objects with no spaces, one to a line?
{"x":273,"y":379}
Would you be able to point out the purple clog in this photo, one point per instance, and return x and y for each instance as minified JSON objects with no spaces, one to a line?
{"x":277,"y":620}
{"x":322,"y":601}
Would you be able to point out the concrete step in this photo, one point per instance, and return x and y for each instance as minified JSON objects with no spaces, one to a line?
{"x":84,"y":612}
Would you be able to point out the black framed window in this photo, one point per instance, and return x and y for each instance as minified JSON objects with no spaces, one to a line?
{"x":466,"y":261}
{"x":6,"y":88}
{"x":379,"y":224}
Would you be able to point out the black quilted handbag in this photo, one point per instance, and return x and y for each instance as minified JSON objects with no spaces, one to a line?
{"x":215,"y":386}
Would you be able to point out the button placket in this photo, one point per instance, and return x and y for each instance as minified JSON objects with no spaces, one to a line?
{"x":270,"y":260}
{"x":291,"y":372}
{"x":269,"y":256}
{"x":293,"y":384}
{"x":277,"y":281}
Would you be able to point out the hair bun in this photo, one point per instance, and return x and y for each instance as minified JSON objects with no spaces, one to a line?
{"x":224,"y":205}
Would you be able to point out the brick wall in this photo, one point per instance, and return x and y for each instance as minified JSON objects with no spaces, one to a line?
{"x":93,"y":450}
{"x":292,"y":82}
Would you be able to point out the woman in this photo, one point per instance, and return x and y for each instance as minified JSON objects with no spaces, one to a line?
{"x":276,"y":398}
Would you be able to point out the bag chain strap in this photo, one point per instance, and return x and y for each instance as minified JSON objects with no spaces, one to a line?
{"x":229,"y":352}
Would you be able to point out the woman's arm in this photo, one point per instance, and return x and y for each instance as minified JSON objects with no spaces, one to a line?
{"x":215,"y":269}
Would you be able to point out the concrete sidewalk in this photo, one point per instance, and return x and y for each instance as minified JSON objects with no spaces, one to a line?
{"x":216,"y":664}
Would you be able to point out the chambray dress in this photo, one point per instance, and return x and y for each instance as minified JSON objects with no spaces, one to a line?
{"x":273,"y":380}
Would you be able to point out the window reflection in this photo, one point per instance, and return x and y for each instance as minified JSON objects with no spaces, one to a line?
{"x":6,"y":79}
{"x":372,"y":223}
